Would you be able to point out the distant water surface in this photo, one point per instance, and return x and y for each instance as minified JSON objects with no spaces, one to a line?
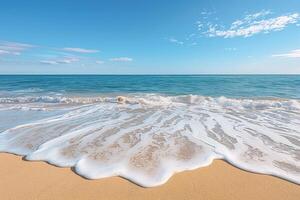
{"x":282,"y":86}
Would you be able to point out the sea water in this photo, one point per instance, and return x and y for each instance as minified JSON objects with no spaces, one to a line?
{"x":146,"y":128}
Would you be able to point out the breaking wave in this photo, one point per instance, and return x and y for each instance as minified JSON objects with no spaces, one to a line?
{"x":146,"y":138}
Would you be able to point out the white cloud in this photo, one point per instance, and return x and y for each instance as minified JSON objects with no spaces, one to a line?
{"x":13,"y":48}
{"x":68,"y":60}
{"x":200,"y":25}
{"x":48,"y":62}
{"x":254,"y":16}
{"x":291,"y":54}
{"x":65,"y":60}
{"x":99,"y":62}
{"x":206,"y":14}
{"x":190,"y":37}
{"x":173,"y":40}
{"x":80,"y":50}
{"x":2,"y":52}
{"x":252,"y":24}
{"x":230,"y":49}
{"x":121,"y":59}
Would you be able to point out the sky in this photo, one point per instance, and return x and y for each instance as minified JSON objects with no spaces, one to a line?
{"x":150,"y":37}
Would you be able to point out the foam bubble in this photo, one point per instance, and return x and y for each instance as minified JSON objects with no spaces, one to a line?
{"x":147,"y":138}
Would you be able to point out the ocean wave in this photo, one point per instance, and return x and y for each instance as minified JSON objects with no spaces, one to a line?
{"x":148,"y":137}
{"x":154,"y":99}
{"x":50,"y":99}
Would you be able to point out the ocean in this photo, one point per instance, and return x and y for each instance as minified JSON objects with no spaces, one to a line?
{"x":147,"y":127}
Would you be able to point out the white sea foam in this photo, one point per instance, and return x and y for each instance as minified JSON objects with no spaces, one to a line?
{"x":147,"y":138}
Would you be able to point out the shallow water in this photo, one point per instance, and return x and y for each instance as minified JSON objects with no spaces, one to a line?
{"x":153,"y":129}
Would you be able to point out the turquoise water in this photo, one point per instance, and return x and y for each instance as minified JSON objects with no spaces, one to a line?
{"x":146,"y":128}
{"x":282,"y":86}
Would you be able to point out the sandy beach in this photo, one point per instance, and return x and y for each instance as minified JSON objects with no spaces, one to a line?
{"x":38,"y":180}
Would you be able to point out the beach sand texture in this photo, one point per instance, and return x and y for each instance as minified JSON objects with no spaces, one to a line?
{"x":39,"y":180}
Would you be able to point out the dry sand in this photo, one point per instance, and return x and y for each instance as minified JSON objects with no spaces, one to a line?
{"x":38,"y":180}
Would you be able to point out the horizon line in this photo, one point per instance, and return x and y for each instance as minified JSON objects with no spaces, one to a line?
{"x":199,"y":74}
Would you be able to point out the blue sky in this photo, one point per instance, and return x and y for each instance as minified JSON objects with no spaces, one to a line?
{"x":149,"y":37}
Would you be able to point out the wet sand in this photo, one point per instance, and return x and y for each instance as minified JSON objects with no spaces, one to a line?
{"x":38,"y":180}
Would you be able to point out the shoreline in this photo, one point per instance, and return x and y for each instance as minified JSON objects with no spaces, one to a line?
{"x":39,"y":180}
